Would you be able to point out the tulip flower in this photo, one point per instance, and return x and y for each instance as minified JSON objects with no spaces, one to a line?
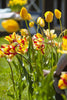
{"x":24,"y":13}
{"x":9,"y":50}
{"x":41,"y":21}
{"x":64,"y":46}
{"x":29,"y":17}
{"x":1,"y":53}
{"x":62,"y":84}
{"x":48,"y":16}
{"x":50,"y":35}
{"x":16,"y":45}
{"x":38,"y":42}
{"x":24,"y":32}
{"x":13,"y":37}
{"x":10,"y":25}
{"x":23,"y":46}
{"x":57,"y":13}
{"x":58,"y":16}
{"x":31,"y":24}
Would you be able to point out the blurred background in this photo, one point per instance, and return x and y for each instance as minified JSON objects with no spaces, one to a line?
{"x":39,"y":7}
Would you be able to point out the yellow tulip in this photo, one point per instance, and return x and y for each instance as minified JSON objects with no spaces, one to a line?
{"x":24,"y":13}
{"x":57,"y":13}
{"x":48,"y":16}
{"x":10,"y":25}
{"x":29,"y":17}
{"x":53,"y":36}
{"x":31,"y":24}
{"x":24,"y":32}
{"x":41,"y":21}
{"x":38,"y":20}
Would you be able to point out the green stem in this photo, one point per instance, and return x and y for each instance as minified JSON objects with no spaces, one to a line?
{"x":12,"y":75}
{"x":28,"y":62}
{"x":37,"y":28}
{"x":12,"y":78}
{"x":51,"y":44}
{"x":29,"y":95}
{"x":56,"y":55}
{"x":61,"y":33}
{"x":30,"y":44}
{"x":49,"y":27}
{"x":60,"y":24}
{"x":27,"y":27}
{"x":20,"y":82}
{"x":52,"y":56}
{"x":20,"y":79}
{"x":41,"y":31}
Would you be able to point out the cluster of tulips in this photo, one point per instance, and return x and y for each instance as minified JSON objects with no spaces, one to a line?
{"x":16,"y":5}
{"x":16,"y":45}
{"x":24,"y":43}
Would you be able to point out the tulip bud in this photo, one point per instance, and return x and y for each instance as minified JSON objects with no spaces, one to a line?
{"x":41,"y":22}
{"x":24,"y":32}
{"x":48,"y":16}
{"x":31,"y":24}
{"x":24,"y":13}
{"x":57,"y":13}
{"x":29,"y":17}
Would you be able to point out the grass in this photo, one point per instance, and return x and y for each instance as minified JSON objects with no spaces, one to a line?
{"x":5,"y":80}
{"x":4,"y":76}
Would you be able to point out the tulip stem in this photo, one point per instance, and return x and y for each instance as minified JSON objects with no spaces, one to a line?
{"x":27,"y":61}
{"x":61,"y":34}
{"x":51,"y":43}
{"x":60,"y":24}
{"x":37,"y":28}
{"x":49,"y":27}
{"x":30,"y":42}
{"x":27,"y":27}
{"x":12,"y":78}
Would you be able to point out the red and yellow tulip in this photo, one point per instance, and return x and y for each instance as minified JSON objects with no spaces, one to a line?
{"x":62,"y":84}
{"x":38,"y":42}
